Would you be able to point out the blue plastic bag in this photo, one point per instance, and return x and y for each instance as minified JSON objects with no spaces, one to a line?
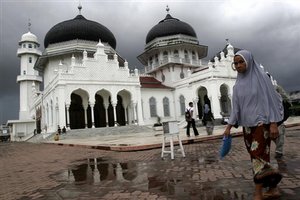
{"x":226,"y":146}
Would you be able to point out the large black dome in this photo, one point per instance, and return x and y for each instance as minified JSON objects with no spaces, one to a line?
{"x":170,"y":26}
{"x":79,"y":28}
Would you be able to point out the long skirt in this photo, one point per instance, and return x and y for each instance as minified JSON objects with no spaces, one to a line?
{"x":257,"y":140}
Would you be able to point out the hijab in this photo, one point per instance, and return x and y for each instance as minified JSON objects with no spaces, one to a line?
{"x":254,"y":97}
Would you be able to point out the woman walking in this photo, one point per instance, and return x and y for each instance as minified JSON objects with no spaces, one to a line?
{"x":257,"y":107}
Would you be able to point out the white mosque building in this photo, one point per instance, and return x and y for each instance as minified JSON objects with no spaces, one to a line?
{"x":87,"y":84}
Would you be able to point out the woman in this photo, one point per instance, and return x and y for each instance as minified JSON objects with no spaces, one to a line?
{"x":257,"y":107}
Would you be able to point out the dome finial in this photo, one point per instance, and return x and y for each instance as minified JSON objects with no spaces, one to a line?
{"x":79,"y":7}
{"x":227,"y":40}
{"x":167,"y":9}
{"x":29,"y":24}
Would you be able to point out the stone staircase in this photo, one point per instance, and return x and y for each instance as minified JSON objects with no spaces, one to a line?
{"x":92,"y":132}
{"x":82,"y":133}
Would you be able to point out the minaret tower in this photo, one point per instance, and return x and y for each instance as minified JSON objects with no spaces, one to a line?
{"x":28,"y":52}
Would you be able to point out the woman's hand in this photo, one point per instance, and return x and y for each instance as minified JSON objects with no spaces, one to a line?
{"x":227,"y":130}
{"x":274,"y":133}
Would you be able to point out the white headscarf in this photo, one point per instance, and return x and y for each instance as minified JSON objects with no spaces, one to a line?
{"x":254,"y":97}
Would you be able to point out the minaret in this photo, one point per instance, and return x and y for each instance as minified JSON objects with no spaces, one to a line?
{"x":28,"y":52}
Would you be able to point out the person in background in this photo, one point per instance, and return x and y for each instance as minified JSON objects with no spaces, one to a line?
{"x":58,"y":130}
{"x":64,"y":131}
{"x":191,"y":120}
{"x":281,"y":126}
{"x":257,"y":107}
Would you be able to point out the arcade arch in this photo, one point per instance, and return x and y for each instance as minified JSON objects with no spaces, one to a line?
{"x":78,"y":109}
{"x":202,"y":99}
{"x":225,"y":102}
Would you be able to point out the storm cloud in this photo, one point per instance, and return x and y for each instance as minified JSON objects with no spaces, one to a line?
{"x":270,"y":29}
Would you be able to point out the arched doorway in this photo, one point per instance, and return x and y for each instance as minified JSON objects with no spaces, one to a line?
{"x":76,"y":111}
{"x":99,"y":112}
{"x":110,"y":113}
{"x":202,"y":99}
{"x":225,"y":102}
{"x":120,"y":112}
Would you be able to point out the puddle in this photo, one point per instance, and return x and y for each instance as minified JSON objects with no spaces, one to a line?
{"x":96,"y":170}
{"x":135,"y":176}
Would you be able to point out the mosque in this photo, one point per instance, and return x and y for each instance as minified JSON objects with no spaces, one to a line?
{"x":86,"y":83}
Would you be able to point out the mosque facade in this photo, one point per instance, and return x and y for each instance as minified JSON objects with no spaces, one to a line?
{"x":87,"y":84}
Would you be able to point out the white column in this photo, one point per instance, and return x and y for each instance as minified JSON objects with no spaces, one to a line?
{"x":214,"y":97}
{"x":85,"y":116}
{"x":92,"y":112}
{"x":55,"y":115}
{"x":106,"y":114}
{"x":134,"y":113}
{"x":125,"y":109}
{"x":115,"y":113}
{"x":68,"y":116}
{"x":195,"y":102}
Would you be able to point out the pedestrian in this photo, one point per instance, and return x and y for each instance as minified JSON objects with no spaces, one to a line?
{"x":190,"y":120}
{"x":257,"y":107}
{"x":279,"y":141}
{"x":64,"y":131}
{"x":58,"y":130}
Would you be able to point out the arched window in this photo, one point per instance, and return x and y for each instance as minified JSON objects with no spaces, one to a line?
{"x":176,"y":54}
{"x":166,"y":107}
{"x":150,"y":61}
{"x":156,"y":58}
{"x":182,"y":104}
{"x":152,"y":103}
{"x":186,"y":55}
{"x":24,"y":45}
{"x":30,"y":59}
{"x":29,"y":45}
{"x":193,"y":55}
{"x":165,"y":55}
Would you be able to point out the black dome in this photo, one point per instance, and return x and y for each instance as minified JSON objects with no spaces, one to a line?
{"x":79,"y":28}
{"x":170,"y":26}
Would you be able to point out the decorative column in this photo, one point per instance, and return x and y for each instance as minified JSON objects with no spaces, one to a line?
{"x":55,"y":116}
{"x":85,"y":116}
{"x":125,"y":109}
{"x":195,"y":102}
{"x":115,"y":113}
{"x":68,"y":116}
{"x":106,"y":114}
{"x":134,"y":113}
{"x":92,"y":112}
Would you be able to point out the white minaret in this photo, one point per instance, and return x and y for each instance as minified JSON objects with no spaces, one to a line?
{"x":28,"y":52}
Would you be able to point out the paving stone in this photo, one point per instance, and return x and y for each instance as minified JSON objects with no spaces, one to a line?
{"x":46,"y":172}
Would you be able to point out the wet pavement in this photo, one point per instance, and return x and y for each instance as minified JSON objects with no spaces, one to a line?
{"x":46,"y":171}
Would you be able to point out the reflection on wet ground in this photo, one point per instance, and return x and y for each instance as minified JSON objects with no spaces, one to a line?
{"x":132,"y":176}
{"x":202,"y":175}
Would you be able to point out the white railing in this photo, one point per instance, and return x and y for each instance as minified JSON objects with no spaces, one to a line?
{"x":172,"y":60}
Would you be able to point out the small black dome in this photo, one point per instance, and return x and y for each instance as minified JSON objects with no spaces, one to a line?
{"x":170,"y":26}
{"x":79,"y":28}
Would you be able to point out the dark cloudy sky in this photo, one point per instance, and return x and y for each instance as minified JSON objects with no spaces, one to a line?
{"x":268,"y":28}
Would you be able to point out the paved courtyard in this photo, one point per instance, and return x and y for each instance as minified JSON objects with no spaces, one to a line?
{"x":47,"y":171}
